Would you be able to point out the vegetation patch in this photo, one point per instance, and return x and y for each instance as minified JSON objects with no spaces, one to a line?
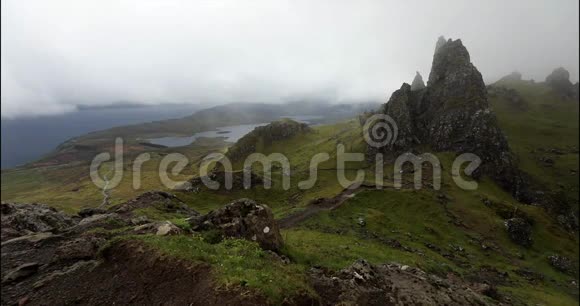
{"x":237,"y":262}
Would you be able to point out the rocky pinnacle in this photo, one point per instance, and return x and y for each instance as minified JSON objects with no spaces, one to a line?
{"x":452,"y":114}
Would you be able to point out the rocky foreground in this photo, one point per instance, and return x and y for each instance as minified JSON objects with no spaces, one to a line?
{"x":50,"y":258}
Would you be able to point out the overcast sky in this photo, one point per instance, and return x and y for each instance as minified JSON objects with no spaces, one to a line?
{"x":58,"y":54}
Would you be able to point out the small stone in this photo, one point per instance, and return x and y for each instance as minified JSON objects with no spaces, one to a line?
{"x":167,"y":228}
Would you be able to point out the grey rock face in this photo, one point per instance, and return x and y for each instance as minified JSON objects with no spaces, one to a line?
{"x":243,"y":218}
{"x":24,"y":219}
{"x":519,"y":231}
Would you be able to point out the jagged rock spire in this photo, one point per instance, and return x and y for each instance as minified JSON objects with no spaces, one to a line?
{"x":418,"y":83}
{"x":453,"y":78}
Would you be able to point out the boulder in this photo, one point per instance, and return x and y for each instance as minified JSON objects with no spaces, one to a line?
{"x":243,"y":218}
{"x":519,"y":231}
{"x":167,"y":228}
{"x":559,"y":81}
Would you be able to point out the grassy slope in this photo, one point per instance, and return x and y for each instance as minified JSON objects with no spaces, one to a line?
{"x":549,"y":123}
{"x":414,"y":218}
{"x":69,"y":187}
{"x":237,"y":263}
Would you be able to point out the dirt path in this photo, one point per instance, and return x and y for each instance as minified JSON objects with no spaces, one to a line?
{"x":321,"y":204}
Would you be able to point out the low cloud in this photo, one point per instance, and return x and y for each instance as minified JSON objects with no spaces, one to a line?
{"x":60,"y":54}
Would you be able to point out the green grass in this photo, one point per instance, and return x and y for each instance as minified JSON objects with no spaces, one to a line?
{"x":69,"y":187}
{"x":549,"y":123}
{"x":237,"y":263}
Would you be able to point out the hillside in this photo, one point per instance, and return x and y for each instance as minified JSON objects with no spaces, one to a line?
{"x":364,"y":242}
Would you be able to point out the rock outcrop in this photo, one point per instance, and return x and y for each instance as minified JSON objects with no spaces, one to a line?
{"x":559,"y":81}
{"x":562,"y":264}
{"x":24,"y":219}
{"x":520,"y":231}
{"x":452,"y":114}
{"x":509,"y":96}
{"x":418,"y":83}
{"x":219,"y":176}
{"x":275,"y":131}
{"x":160,"y":200}
{"x":512,"y":77}
{"x":243,"y":218}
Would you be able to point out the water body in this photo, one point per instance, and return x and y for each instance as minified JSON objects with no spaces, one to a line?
{"x":27,"y":139}
{"x":231,"y":133}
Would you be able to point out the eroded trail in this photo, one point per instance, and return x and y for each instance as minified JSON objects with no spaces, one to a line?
{"x":321,"y":204}
{"x":106,"y":193}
